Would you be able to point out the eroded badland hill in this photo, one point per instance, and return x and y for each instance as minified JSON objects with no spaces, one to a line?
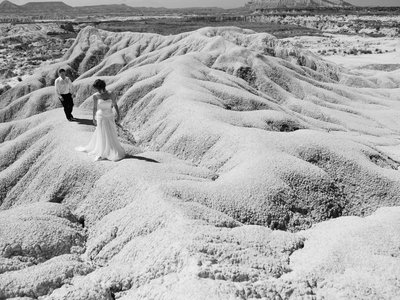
{"x":238,"y":143}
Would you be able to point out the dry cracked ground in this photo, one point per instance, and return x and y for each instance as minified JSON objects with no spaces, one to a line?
{"x":255,"y":170}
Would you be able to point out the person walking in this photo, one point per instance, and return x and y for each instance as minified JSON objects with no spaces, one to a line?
{"x":104,"y":143}
{"x":63,"y":87}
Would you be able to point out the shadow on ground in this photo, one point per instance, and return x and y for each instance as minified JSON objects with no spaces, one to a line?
{"x":129,"y":156}
{"x":83,"y":121}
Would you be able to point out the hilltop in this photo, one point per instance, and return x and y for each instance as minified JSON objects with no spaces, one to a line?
{"x":9,"y":7}
{"x":44,"y":7}
{"x":35,"y":7}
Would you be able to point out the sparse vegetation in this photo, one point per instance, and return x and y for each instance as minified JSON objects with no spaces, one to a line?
{"x":68,"y":27}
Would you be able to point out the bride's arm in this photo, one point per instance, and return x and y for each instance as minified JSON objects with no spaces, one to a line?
{"x":115,"y":105}
{"x":94,"y":109}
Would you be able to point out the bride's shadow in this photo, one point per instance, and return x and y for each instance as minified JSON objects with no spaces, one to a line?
{"x":129,"y":156}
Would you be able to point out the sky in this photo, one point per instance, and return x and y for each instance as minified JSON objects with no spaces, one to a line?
{"x":192,"y":3}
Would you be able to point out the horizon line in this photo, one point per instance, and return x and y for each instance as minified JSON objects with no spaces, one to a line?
{"x":189,"y":7}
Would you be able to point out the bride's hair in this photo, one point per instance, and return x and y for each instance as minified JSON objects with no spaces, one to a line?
{"x":99,"y":84}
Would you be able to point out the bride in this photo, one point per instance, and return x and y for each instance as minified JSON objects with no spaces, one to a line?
{"x":104,"y":143}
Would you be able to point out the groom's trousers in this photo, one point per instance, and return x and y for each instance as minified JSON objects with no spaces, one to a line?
{"x":68,"y":104}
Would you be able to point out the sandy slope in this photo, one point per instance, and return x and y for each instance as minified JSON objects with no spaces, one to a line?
{"x":232,"y":131}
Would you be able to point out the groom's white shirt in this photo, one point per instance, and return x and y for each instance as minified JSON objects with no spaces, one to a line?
{"x":63,"y":86}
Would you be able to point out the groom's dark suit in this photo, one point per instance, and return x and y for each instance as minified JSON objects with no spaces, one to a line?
{"x":63,"y":90}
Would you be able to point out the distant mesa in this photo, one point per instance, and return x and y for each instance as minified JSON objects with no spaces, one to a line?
{"x":47,"y":6}
{"x":265,"y":4}
{"x":58,"y":7}
{"x":7,"y":6}
{"x":34,"y":7}
{"x":114,"y":8}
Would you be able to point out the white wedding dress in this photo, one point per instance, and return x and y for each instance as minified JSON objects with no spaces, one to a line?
{"x":104,"y":143}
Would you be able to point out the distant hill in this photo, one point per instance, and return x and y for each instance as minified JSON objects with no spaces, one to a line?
{"x":111,"y":8}
{"x":265,"y":4}
{"x":34,"y":8}
{"x":59,"y":7}
{"x":9,"y":7}
{"x":54,"y":7}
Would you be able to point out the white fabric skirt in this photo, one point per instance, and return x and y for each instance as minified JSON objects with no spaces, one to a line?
{"x":104,"y":142}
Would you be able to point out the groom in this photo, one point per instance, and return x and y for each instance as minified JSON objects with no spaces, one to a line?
{"x":64,"y":89}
